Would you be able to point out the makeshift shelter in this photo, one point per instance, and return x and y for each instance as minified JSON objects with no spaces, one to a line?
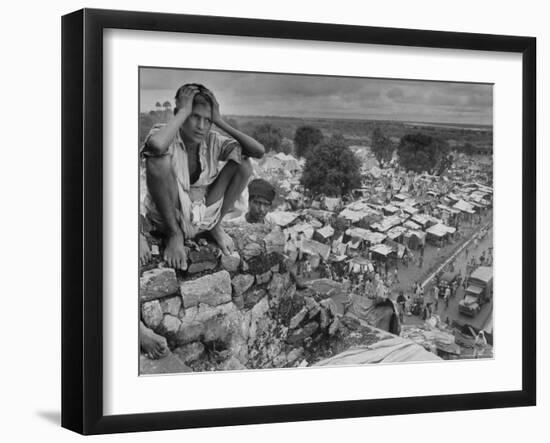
{"x":382,"y":251}
{"x":396,"y":233}
{"x":409,"y":224}
{"x":390,"y":209}
{"x":370,"y":237}
{"x":398,"y":248}
{"x":414,"y":239}
{"x":312,"y":247}
{"x":437,"y":233}
{"x":464,"y":206}
{"x":401,"y":197}
{"x":332,"y":204}
{"x":271,"y":164}
{"x":409,"y":209}
{"x":360,"y":265}
{"x":324,"y":234}
{"x":320,"y":214}
{"x":386,"y":223}
{"x":281,"y":218}
{"x":422,"y":219}
{"x":305,"y":229}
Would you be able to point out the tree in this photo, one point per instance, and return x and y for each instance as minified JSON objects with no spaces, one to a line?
{"x":158,"y":105}
{"x":167,"y":105}
{"x":445,"y":163}
{"x":331,"y":169}
{"x":419,"y":152}
{"x":305,"y":138}
{"x":286,"y":146}
{"x":381,"y":147}
{"x":468,"y":149}
{"x":268,"y":135}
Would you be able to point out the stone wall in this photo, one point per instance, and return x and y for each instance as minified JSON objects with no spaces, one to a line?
{"x":239,"y":311}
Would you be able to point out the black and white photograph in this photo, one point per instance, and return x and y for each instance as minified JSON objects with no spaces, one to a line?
{"x":295,"y":221}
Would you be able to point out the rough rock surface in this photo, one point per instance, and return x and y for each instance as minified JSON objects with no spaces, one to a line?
{"x":151,"y":314}
{"x":157,"y":283}
{"x":244,"y":311}
{"x":212,"y":289}
{"x":170,"y":364}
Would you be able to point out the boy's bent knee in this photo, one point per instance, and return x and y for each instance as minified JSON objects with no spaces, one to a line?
{"x":245,"y":168}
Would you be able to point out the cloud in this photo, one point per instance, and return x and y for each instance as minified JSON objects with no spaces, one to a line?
{"x":250,"y":93}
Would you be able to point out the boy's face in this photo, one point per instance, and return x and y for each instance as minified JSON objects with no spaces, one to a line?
{"x":257,"y":209}
{"x":198,"y":124}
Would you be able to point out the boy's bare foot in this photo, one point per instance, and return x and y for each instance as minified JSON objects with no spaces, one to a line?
{"x":175,"y":254}
{"x":144,"y":250}
{"x":224,"y":240}
{"x":152,"y":345}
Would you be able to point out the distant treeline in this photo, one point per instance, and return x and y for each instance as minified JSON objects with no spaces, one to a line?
{"x":357,"y":132}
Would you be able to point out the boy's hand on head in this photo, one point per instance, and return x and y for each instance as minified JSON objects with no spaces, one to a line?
{"x":216,"y":116}
{"x":184,"y":100}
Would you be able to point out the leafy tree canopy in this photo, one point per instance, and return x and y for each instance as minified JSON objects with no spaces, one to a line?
{"x":381,"y":147}
{"x":331,"y":168}
{"x":166,"y":104}
{"x":305,"y":138}
{"x":157,"y":104}
{"x":268,"y":135}
{"x":422,"y":153}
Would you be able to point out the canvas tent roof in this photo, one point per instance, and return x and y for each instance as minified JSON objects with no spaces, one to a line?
{"x":417,"y":233}
{"x":314,"y":247}
{"x":411,"y":225}
{"x":401,"y":197}
{"x":332,"y":203}
{"x":281,"y":218}
{"x":386,"y":223}
{"x":464,"y":206}
{"x":396,"y":232}
{"x":391,"y":209}
{"x":327,"y":231}
{"x":353,"y":216}
{"x":382,"y":249}
{"x":438,"y":230}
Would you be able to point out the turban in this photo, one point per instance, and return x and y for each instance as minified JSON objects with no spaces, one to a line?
{"x":261,"y":188}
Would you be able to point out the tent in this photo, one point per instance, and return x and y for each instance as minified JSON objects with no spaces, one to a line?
{"x":396,"y":233}
{"x":386,"y":223}
{"x":281,"y":218}
{"x":324,"y":234}
{"x":382,"y":250}
{"x":464,"y":206}
{"x":409,"y":224}
{"x":390,"y":209}
{"x":414,"y":239}
{"x":360,"y":265}
{"x":332,"y":204}
{"x":312,"y":247}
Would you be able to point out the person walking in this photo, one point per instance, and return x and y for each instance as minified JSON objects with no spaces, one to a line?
{"x":447,"y":297}
{"x":396,"y":275}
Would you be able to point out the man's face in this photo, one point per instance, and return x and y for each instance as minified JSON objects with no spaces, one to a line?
{"x":198,"y":124}
{"x":258,"y":208}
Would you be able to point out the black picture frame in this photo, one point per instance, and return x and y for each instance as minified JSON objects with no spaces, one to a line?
{"x":82,"y":219}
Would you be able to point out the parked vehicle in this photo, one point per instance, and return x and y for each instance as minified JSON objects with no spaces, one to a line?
{"x":479,"y":291}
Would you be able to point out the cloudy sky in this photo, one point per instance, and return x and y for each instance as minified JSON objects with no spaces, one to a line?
{"x":242,"y":93}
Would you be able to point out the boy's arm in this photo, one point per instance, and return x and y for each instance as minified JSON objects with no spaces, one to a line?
{"x":160,"y":141}
{"x":250,"y":147}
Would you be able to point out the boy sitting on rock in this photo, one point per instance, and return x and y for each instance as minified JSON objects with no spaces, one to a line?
{"x":194,"y":175}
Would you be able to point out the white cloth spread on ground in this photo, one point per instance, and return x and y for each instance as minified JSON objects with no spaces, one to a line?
{"x":193,"y":215}
{"x":391,"y":350}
